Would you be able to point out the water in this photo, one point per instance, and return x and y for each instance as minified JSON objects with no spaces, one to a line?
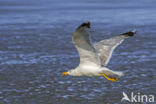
{"x":36,"y":47}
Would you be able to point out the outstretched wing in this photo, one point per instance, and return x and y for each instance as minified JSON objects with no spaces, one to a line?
{"x":82,"y":42}
{"x":106,"y":47}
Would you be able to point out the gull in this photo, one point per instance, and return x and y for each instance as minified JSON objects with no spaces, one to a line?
{"x":95,"y":57}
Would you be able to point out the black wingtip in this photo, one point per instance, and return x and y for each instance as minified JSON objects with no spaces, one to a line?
{"x":130,"y":33}
{"x":85,"y":24}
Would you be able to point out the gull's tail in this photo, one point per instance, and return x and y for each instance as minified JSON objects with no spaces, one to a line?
{"x":107,"y":73}
{"x":119,"y":73}
{"x":111,"y":72}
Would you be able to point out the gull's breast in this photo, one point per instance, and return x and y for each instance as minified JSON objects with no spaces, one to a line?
{"x":89,"y":70}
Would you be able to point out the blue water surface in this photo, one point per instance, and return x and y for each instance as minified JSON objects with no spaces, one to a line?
{"x":36,"y":47}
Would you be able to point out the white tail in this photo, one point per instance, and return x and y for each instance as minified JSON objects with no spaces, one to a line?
{"x":119,"y":73}
{"x":110,"y":72}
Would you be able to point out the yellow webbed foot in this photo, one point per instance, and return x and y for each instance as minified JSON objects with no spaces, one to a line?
{"x":113,"y":79}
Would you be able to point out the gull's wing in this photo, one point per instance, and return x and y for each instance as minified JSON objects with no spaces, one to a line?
{"x":82,"y":42}
{"x":106,"y":47}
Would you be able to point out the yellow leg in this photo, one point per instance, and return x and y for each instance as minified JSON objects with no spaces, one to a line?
{"x":113,"y":79}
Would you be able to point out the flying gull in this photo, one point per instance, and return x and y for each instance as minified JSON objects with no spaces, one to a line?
{"x":95,"y":57}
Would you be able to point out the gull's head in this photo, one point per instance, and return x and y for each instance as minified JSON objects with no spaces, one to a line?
{"x":83,"y":26}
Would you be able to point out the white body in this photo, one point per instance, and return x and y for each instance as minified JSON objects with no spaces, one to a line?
{"x":92,"y":70}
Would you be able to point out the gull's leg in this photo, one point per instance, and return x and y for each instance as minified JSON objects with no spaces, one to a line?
{"x":113,"y":79}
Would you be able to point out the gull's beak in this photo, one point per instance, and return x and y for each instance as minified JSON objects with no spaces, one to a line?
{"x":65,"y":73}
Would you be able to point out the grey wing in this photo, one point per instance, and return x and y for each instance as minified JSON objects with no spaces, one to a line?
{"x":105,"y":47}
{"x":82,"y":42}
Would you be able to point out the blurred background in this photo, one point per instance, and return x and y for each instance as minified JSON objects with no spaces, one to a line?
{"x":36,"y":47}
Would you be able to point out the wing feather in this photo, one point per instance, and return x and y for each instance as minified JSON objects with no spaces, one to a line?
{"x":105,"y":47}
{"x":81,"y":40}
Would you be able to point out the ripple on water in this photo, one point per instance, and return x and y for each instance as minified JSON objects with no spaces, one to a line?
{"x":36,"y":47}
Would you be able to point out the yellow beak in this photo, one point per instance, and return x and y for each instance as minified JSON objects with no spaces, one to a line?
{"x":65,"y":73}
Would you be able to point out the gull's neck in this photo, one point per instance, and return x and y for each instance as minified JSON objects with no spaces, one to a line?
{"x":75,"y":72}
